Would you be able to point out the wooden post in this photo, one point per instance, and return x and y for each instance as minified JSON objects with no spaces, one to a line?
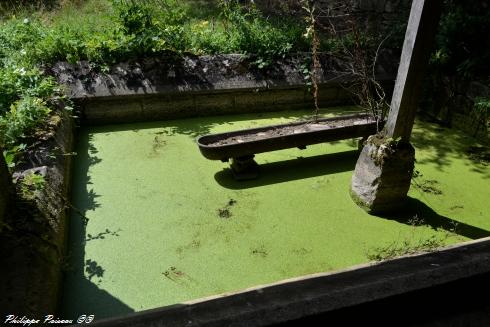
{"x":419,"y":38}
{"x":5,"y":187}
{"x":381,"y":181}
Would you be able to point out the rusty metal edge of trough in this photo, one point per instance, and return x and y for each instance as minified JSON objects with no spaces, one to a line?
{"x":320,"y":293}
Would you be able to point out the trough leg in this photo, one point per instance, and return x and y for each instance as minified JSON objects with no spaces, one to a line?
{"x":244,"y":168}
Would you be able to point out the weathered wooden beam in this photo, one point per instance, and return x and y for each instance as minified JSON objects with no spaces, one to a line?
{"x":5,"y":187}
{"x":380,"y":183}
{"x":419,"y":38}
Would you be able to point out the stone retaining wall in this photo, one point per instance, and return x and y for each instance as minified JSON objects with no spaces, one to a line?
{"x":452,"y":103}
{"x":169,"y":88}
{"x":33,"y":245}
{"x":380,"y":13}
{"x":174,"y":106}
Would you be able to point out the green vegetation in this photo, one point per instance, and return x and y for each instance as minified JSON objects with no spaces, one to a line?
{"x":27,"y":96}
{"x":31,"y":186}
{"x":482,"y":106}
{"x":412,"y":243}
{"x":405,"y":247}
{"x":104,"y":32}
{"x":460,"y":57}
{"x":108,"y":31}
{"x":462,"y":45}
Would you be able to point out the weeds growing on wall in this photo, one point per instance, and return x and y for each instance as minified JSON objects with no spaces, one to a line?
{"x":356,"y":49}
{"x":481,"y":109}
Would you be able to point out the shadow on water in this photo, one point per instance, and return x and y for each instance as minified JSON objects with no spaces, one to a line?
{"x":82,"y":295}
{"x":195,"y":127}
{"x":445,"y":144}
{"x":427,"y":216}
{"x":294,"y":169}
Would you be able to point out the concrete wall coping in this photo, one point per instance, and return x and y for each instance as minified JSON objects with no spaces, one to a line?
{"x":195,"y":74}
{"x":319,"y":293}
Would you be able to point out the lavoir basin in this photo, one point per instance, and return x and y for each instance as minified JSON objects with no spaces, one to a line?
{"x":157,"y":224}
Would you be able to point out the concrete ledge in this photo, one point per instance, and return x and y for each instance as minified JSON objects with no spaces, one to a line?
{"x":321,"y":293}
{"x":170,"y":87}
{"x":191,"y":74}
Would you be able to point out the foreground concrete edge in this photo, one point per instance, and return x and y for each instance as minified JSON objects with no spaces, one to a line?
{"x":320,"y":293}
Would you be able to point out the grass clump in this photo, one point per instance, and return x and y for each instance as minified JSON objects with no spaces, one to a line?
{"x":411,"y":245}
{"x":405,"y":247}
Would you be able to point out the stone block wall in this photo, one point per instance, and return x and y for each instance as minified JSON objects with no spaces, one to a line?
{"x":337,"y":7}
{"x":161,"y":88}
{"x":35,"y":242}
{"x":453,"y":104}
{"x":381,"y":14}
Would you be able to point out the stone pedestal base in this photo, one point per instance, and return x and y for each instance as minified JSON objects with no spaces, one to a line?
{"x":382,"y":176}
{"x":244,"y":168}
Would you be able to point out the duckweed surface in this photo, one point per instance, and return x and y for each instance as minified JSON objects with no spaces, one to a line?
{"x":163,"y":225}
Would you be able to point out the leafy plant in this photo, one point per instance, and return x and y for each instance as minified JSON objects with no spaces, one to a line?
{"x":23,"y":117}
{"x":482,"y":104}
{"x":32,"y":185}
{"x":260,"y":38}
{"x":481,"y":114}
{"x":17,"y":82}
{"x":461,"y":47}
{"x":11,"y":155}
{"x":151,"y":26}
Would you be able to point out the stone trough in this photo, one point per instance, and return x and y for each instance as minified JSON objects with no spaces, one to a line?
{"x":242,"y":145}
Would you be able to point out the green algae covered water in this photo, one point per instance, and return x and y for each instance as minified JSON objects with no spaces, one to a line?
{"x":158,"y":224}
